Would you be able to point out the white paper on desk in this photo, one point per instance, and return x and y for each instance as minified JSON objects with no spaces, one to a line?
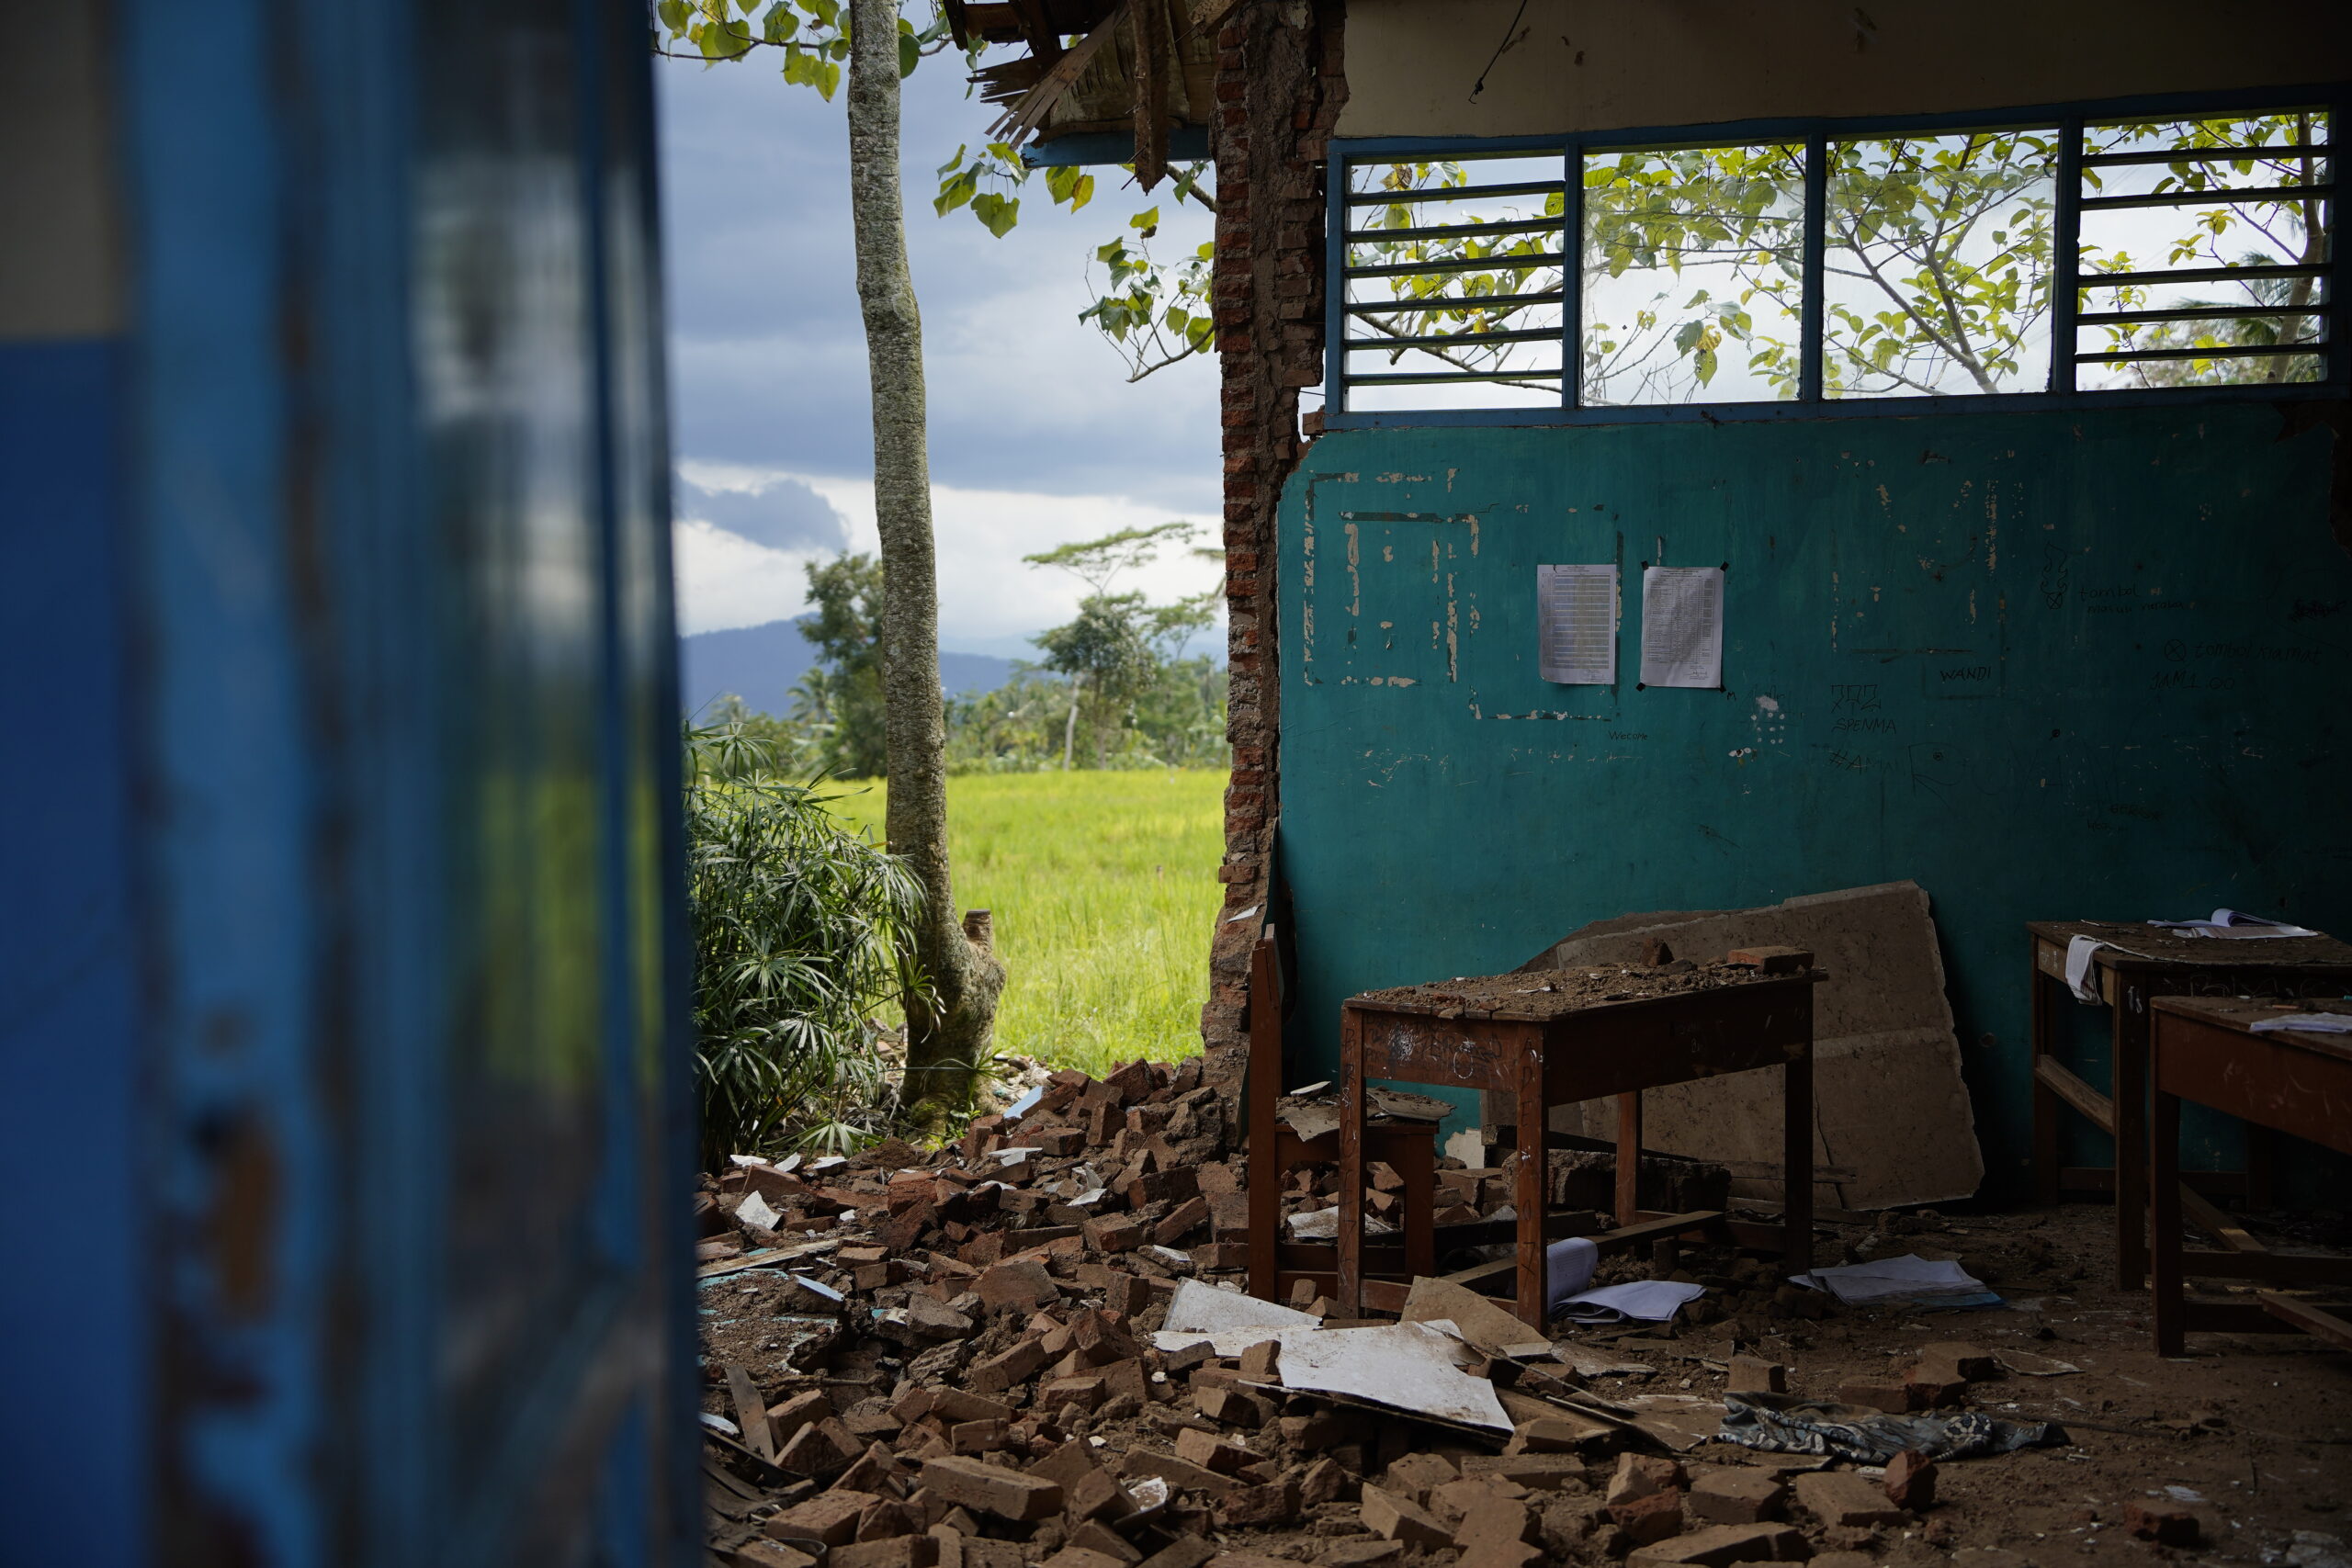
{"x":2303,"y":1024}
{"x":1576,"y":619}
{"x":1682,"y":625}
{"x":2234,"y":923}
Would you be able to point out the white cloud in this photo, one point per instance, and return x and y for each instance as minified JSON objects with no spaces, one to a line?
{"x":724,"y":579}
{"x":990,"y":601}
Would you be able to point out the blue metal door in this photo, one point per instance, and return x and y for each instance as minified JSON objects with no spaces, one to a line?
{"x":340,"y":823}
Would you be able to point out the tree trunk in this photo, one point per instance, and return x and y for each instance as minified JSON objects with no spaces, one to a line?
{"x":947,"y":1032}
{"x":1069,"y":727}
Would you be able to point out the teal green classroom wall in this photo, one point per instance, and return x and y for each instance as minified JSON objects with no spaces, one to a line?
{"x":2049,"y":665}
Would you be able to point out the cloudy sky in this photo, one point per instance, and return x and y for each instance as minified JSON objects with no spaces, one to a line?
{"x":1037,"y":438}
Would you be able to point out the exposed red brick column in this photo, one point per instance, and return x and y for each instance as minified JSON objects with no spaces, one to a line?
{"x":1279,"y":88}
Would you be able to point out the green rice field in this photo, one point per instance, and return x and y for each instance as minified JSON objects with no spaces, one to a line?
{"x":1104,"y":887}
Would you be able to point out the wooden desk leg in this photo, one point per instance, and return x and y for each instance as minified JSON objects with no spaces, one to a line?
{"x":2130,"y":1088}
{"x":1265,"y":1168}
{"x":1349,"y":1302}
{"x":2163,"y":1181}
{"x":1629,"y":1157}
{"x":1421,"y":1206}
{"x":2046,"y":1104}
{"x":1796,"y":1154}
{"x":1530,"y":1191}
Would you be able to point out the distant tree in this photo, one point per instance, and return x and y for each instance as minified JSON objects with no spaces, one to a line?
{"x":846,"y":690}
{"x":1121,"y":647}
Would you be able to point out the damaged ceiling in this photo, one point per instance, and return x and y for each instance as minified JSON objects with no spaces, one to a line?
{"x":1146,"y":67}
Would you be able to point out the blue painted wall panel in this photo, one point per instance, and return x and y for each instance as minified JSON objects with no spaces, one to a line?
{"x":71,"y":1203}
{"x":2051,"y":666}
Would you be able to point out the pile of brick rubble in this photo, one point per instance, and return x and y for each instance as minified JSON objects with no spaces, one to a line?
{"x":951,"y":1364}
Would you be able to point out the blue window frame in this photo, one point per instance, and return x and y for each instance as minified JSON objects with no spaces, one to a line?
{"x":2084,"y":254}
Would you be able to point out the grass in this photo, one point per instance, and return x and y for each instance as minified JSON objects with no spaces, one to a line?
{"x":1104,"y":892}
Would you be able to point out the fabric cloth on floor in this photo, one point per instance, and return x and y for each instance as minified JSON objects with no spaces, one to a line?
{"x":1786,"y":1424}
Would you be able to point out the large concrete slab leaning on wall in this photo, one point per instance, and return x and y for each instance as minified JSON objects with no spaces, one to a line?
{"x":1893,"y":1122}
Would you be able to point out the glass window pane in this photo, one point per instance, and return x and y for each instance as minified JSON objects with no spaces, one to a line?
{"x":1453,"y":271}
{"x":1936,"y":264}
{"x":2148,"y":326}
{"x":1690,"y":269}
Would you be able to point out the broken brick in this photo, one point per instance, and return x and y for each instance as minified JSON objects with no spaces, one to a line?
{"x":1753,"y":1374}
{"x":1895,"y":1397}
{"x":1650,"y":1516}
{"x":1021,"y":1283}
{"x":2166,"y":1524}
{"x":1182,"y":1221}
{"x":1211,"y":1453}
{"x":1273,"y":1503}
{"x":1395,"y":1517}
{"x":1643,"y":1475}
{"x":1841,"y":1499}
{"x":1718,"y":1546}
{"x":829,"y":1519}
{"x":1730,"y":1496}
{"x":758,"y":1553}
{"x":819,"y":1449}
{"x":1910,"y":1480}
{"x":992,"y":1489}
{"x":898,"y":1551}
{"x":1003,"y":1369}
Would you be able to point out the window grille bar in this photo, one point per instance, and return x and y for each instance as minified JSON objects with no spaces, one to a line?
{"x":2199,"y":314}
{"x":1572,"y":275}
{"x":1451,"y":302}
{"x":2233,"y":351}
{"x":2205,"y":155}
{"x":1479,"y":263}
{"x":2205,"y":275}
{"x":2208,"y":197}
{"x":1428,"y":378}
{"x":2065,"y":256}
{"x":1455,"y":230}
{"x":1812,"y":305}
{"x":1534,"y":334}
{"x":1449,"y":193}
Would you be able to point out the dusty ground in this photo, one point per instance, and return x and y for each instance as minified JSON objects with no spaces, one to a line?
{"x":2254,"y":1431}
{"x":928,"y":1278}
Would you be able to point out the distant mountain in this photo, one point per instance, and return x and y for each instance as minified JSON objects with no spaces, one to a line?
{"x":760,"y":664}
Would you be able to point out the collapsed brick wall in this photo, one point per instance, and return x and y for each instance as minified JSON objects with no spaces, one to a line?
{"x":1278,"y":89}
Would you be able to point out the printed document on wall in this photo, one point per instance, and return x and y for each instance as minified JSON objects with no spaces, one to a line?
{"x":1576,"y":620}
{"x":1682,"y":625}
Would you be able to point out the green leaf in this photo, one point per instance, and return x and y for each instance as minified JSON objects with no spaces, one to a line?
{"x":675,"y":14}
{"x":1147,"y":219}
{"x":997,"y":213}
{"x":909,"y":54}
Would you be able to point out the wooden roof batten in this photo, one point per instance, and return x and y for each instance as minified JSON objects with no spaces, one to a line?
{"x":1148,"y":65}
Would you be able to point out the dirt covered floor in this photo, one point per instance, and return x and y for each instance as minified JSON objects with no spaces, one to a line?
{"x":948,"y":1361}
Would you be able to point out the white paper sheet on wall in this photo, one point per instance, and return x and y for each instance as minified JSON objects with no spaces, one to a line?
{"x":1577,"y":621}
{"x":1682,"y":625}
